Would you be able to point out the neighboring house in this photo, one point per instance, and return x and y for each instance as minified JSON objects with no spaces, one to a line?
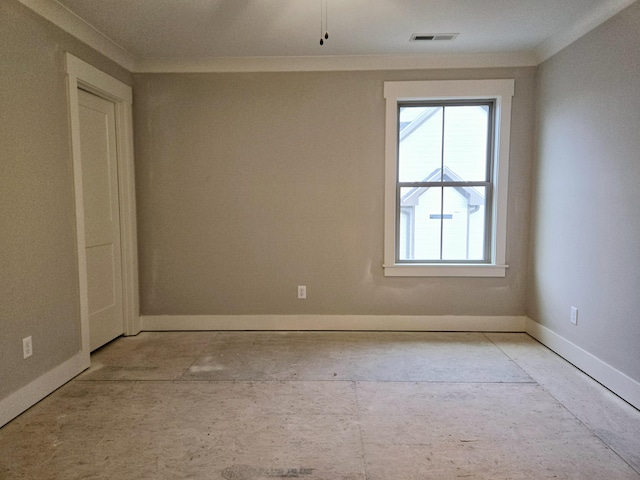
{"x":458,"y":210}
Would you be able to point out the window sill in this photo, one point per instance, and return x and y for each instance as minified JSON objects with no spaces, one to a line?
{"x":444,"y":270}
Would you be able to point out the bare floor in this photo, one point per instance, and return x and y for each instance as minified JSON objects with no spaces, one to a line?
{"x":331,"y":406}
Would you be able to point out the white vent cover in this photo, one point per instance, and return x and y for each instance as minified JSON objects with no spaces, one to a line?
{"x":428,"y":37}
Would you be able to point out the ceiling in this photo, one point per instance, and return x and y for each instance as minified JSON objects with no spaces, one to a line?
{"x":194,"y":30}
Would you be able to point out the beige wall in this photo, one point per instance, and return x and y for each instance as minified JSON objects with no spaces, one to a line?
{"x":586,"y":233}
{"x":251,"y":184}
{"x":38,"y":280}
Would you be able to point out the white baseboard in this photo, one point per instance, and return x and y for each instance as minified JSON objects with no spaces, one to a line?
{"x":416,"y":323}
{"x":619,"y":383}
{"x":24,"y":398}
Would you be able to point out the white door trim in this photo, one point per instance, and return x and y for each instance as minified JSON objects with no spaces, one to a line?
{"x":81,"y":74}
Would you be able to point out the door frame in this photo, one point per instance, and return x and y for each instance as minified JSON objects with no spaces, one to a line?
{"x":82,"y":75}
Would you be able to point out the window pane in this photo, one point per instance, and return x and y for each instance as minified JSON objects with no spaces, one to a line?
{"x":420,"y":233}
{"x":420,"y":143}
{"x":465,"y":142}
{"x":442,"y":223}
{"x":463,"y":233}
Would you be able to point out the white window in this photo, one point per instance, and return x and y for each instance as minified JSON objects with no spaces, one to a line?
{"x":447,"y":159}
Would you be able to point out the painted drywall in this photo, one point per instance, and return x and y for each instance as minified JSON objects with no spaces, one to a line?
{"x":39,"y":280}
{"x":251,"y":184}
{"x":586,"y":227}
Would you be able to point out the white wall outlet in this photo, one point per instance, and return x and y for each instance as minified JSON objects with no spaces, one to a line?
{"x":27,"y":347}
{"x":302,"y":291}
{"x":574,"y":315}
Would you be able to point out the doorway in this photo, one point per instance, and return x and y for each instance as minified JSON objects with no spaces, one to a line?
{"x":104,"y":190}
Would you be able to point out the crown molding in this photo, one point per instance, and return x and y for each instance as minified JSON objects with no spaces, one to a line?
{"x":83,"y":31}
{"x":334,"y":63}
{"x":596,"y":17}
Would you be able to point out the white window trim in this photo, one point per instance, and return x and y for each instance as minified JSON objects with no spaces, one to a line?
{"x":502,"y":92}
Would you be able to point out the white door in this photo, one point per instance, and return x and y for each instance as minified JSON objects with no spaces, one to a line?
{"x":101,"y":218}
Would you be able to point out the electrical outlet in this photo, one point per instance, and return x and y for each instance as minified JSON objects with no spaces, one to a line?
{"x":27,"y":347}
{"x":302,"y":291}
{"x":574,"y":315}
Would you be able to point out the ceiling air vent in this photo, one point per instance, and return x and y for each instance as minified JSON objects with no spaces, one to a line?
{"x":427,"y":37}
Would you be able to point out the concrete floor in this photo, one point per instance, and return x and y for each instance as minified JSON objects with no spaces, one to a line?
{"x":314,"y":405}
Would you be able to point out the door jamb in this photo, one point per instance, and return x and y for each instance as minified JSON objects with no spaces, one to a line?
{"x":81,"y":74}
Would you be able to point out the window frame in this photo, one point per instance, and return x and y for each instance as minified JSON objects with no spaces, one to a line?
{"x":499,"y":91}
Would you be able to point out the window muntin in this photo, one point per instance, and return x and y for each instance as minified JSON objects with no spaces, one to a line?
{"x":444,"y":181}
{"x":400,"y":221}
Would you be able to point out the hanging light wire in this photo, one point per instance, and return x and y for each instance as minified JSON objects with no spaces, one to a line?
{"x":324,"y":25}
{"x":326,"y":19}
{"x":321,"y":12}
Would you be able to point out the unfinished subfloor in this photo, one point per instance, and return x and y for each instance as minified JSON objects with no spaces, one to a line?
{"x":325,"y":405}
